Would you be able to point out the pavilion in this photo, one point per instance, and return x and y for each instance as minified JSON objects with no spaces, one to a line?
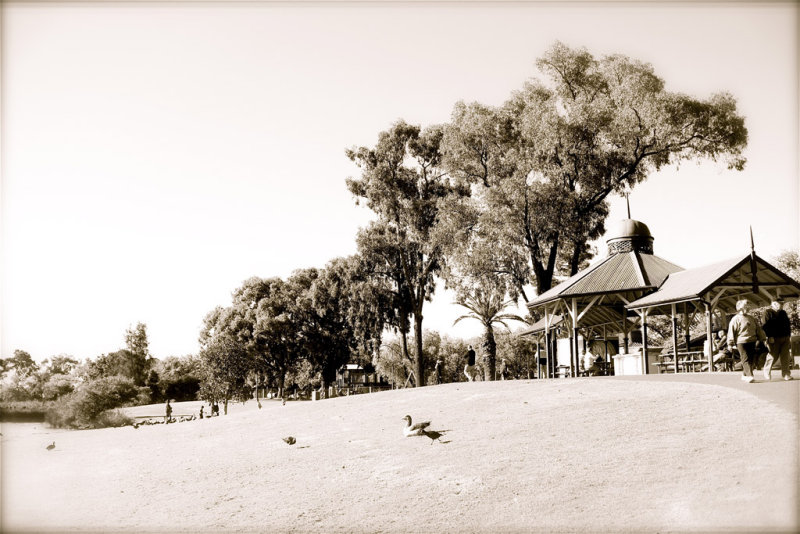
{"x":618,"y":294}
{"x":713,"y":289}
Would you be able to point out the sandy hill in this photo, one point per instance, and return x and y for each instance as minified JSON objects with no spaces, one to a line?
{"x":599,"y":454}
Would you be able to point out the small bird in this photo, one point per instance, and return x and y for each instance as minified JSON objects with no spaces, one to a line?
{"x":434,"y":435}
{"x":290,"y":440}
{"x":414,"y":430}
{"x":51,"y":446}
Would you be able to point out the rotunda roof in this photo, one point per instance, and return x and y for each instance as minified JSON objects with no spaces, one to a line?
{"x":627,"y":228}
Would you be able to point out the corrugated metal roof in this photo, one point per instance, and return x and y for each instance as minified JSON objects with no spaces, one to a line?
{"x":692,"y":284}
{"x":657,"y":269}
{"x":619,"y":272}
{"x":538,"y":326}
{"x":628,"y":271}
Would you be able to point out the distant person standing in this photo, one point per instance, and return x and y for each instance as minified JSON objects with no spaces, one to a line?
{"x":743,"y":332}
{"x":503,"y":369}
{"x":201,"y":411}
{"x":168,"y":412}
{"x":778,"y":330}
{"x":437,"y":371}
{"x":469,"y":368}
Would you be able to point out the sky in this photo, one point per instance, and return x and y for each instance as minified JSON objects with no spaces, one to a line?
{"x":157,"y":154}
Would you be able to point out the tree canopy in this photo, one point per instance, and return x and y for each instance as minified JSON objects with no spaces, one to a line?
{"x":544,"y":163}
{"x":403,"y":182}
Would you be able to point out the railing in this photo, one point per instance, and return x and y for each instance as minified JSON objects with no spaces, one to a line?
{"x":688,"y":362}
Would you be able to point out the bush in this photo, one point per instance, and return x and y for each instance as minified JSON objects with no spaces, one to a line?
{"x":84,"y":407}
{"x":183,"y":389}
{"x":143,"y":396}
{"x":58,"y":386}
{"x":112,"y":418}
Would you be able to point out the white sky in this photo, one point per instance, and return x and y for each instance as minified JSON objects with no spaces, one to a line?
{"x":155,"y":155}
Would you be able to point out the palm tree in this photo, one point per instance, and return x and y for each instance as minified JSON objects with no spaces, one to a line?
{"x":487,"y":307}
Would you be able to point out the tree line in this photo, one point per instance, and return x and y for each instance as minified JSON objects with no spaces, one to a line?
{"x":497,"y":204}
{"x":73,"y":393}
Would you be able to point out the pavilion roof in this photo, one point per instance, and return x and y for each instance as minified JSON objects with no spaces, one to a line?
{"x":538,"y":326}
{"x":620,"y":273}
{"x":734,"y":275}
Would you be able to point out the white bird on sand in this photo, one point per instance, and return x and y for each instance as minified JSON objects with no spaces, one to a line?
{"x":414,"y":430}
{"x":51,"y":446}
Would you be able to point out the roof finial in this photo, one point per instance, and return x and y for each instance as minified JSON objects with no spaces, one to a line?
{"x":752,"y":245}
{"x":628,"y":202}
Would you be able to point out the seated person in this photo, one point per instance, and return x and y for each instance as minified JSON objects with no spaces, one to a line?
{"x":503,"y":369}
{"x":722,"y":355}
{"x":592,"y":364}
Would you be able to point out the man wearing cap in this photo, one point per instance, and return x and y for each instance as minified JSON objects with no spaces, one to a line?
{"x":743,"y":332}
{"x":778,"y":330}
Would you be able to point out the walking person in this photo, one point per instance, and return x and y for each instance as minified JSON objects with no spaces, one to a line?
{"x":438,"y":371}
{"x":743,"y":332}
{"x":169,"y":412}
{"x":778,"y":330}
{"x":469,"y":368}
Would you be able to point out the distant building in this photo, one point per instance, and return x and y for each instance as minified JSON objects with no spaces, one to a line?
{"x":358,"y":379}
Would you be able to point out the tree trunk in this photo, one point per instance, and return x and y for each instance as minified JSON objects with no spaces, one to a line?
{"x":420,"y":364}
{"x":575,"y":260}
{"x":543,"y":273}
{"x":490,"y":352}
{"x":404,"y":338}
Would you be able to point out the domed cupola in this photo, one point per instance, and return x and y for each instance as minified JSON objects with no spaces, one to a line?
{"x":630,"y":236}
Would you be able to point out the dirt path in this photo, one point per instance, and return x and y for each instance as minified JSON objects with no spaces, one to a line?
{"x":574,"y":455}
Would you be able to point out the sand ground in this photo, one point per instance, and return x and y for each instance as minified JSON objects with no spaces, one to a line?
{"x":572,"y":455}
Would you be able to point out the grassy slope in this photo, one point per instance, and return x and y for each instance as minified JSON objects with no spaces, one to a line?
{"x":568,"y":455}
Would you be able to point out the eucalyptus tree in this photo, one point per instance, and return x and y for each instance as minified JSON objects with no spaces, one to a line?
{"x":224,"y":364}
{"x":380,"y":256}
{"x":344,"y":315}
{"x":21,"y":362}
{"x":138,"y":349}
{"x":259,"y":321}
{"x":546,"y":161}
{"x":403,"y":182}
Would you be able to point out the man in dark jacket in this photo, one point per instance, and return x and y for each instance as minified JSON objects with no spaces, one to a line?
{"x":778,"y":331}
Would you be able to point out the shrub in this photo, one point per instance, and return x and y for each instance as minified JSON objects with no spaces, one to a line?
{"x":183,"y":389}
{"x":112,"y":418}
{"x":58,"y":386}
{"x":83,"y":408}
{"x":143,"y":396}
